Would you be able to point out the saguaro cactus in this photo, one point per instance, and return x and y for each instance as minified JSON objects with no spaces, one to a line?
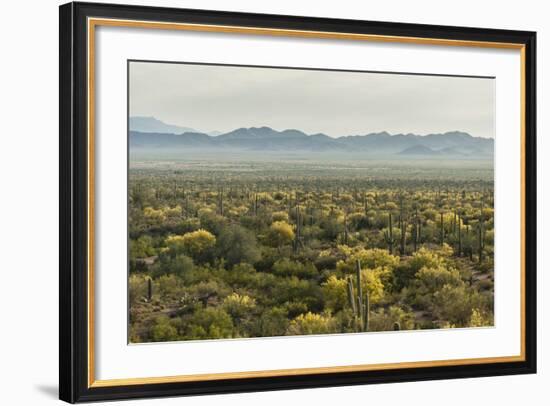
{"x":388,"y":235}
{"x":459,"y":236}
{"x":471,"y":244}
{"x":441,"y":229}
{"x":359,"y":303}
{"x":346,"y":233}
{"x":149,"y":289}
{"x":481,"y":244}
{"x":220,"y":201}
{"x":403,"y":239}
{"x":298,"y":234}
{"x":186,"y":205}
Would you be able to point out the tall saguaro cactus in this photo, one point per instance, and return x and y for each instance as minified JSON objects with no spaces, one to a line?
{"x":403,"y":239}
{"x":459,"y":235}
{"x":186,"y":204}
{"x":388,"y":234}
{"x":346,"y":232}
{"x":441,"y":229}
{"x":480,"y":238}
{"x":149,"y":289}
{"x":298,"y":234}
{"x":359,"y":303}
{"x":220,"y":201}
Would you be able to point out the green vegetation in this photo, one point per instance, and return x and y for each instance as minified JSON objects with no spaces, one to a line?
{"x":243,"y":248}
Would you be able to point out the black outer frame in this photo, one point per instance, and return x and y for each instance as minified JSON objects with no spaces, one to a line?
{"x":73,"y":196}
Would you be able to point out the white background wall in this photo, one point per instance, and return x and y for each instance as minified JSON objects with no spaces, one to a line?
{"x":29,"y":204}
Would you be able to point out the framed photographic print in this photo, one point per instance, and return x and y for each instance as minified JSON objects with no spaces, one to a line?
{"x":257,"y":202}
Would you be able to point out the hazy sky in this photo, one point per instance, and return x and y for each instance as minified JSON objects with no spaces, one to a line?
{"x":224,"y":98}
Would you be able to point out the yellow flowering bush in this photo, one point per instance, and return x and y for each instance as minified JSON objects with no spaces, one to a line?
{"x":312,"y":323}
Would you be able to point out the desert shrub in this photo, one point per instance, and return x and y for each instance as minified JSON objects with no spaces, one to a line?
{"x":358,"y":221}
{"x":286,"y":267}
{"x":272,"y":322}
{"x":163,"y":330}
{"x":237,"y":244}
{"x":479,"y":318}
{"x":279,"y":216}
{"x":332,"y":228}
{"x":445,"y":250}
{"x":210,"y":322}
{"x":430,"y":214}
{"x":180,"y":265}
{"x":241,"y":275}
{"x":370,"y":258}
{"x":266,"y":283}
{"x":432,"y":279}
{"x":455,"y":304}
{"x":425,"y":258}
{"x":486,"y":284}
{"x":168,"y":286}
{"x":385,"y":319}
{"x":312,"y":234}
{"x":137,"y":287}
{"x":209,"y":289}
{"x":335,"y":289}
{"x":187,"y":226}
{"x":153,"y":216}
{"x":335,"y":293}
{"x":173,"y":212}
{"x":195,"y":244}
{"x":280,"y":233}
{"x":295,"y":308}
{"x":212,"y":222}
{"x":326,"y":262}
{"x":428,"y":281}
{"x":239,"y":306}
{"x":294,"y":289}
{"x":142,"y":247}
{"x":311,"y":323}
{"x":403,"y":275}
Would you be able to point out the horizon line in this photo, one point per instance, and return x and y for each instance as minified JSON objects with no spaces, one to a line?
{"x":295,"y":129}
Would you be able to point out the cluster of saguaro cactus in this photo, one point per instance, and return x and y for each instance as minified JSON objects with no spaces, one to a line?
{"x":358,"y":302}
{"x":388,"y":234}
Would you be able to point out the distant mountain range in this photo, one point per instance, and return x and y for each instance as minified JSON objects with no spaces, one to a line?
{"x":454,"y":144}
{"x":153,"y":125}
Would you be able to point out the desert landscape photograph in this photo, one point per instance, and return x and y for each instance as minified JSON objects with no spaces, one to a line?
{"x":268,"y":201}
